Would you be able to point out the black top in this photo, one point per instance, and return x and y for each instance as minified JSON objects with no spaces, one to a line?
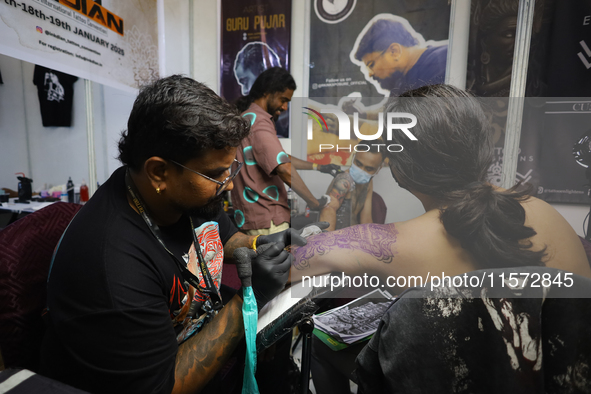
{"x":506,"y":336}
{"x":112,"y":292}
{"x":56,"y":95}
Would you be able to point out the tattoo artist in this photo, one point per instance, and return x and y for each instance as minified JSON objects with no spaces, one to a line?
{"x":122,"y":317}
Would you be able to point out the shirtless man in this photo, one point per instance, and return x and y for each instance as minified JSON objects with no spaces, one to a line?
{"x":351,"y":192}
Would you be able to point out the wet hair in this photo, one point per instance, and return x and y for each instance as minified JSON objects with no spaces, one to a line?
{"x":449,"y":161}
{"x":257,"y":57}
{"x":272,"y":80}
{"x":381,"y":35}
{"x":178,"y":118}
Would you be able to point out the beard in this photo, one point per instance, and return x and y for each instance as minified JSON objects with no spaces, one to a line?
{"x":209,"y":211}
{"x":274,"y":112}
{"x":391,"y":82}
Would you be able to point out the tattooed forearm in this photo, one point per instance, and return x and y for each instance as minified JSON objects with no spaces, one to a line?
{"x":236,"y":241}
{"x":199,"y":358}
{"x":377,"y":240}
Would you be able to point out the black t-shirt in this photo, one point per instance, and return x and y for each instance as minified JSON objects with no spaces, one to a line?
{"x":56,"y":95}
{"x":112,"y":292}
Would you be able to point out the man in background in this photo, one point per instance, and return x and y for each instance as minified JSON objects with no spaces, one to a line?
{"x":351,"y":192}
{"x":260,"y":198}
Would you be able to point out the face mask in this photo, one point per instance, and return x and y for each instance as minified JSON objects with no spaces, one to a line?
{"x":359,"y":176}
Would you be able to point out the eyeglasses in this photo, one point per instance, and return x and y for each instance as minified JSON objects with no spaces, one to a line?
{"x":223,"y":185}
{"x":371,"y":64}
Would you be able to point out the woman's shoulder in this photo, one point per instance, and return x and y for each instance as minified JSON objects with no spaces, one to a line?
{"x":564,"y":249}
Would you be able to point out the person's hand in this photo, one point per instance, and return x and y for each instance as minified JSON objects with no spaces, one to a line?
{"x":332,"y":169}
{"x":270,"y":271}
{"x":266,"y":270}
{"x":290,"y":236}
{"x":351,"y":106}
{"x":332,"y":122}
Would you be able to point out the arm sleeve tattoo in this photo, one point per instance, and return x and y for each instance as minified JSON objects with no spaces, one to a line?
{"x":377,"y":240}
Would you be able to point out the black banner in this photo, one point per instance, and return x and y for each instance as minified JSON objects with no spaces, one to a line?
{"x":255,"y":36}
{"x":557,"y":112}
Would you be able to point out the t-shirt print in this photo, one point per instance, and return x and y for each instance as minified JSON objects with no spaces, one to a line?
{"x":212,"y":250}
{"x":56,"y":94}
{"x":53,"y":87}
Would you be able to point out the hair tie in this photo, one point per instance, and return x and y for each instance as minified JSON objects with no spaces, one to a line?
{"x":475,"y":184}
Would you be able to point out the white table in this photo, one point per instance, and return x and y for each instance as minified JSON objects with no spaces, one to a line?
{"x":18,"y":210}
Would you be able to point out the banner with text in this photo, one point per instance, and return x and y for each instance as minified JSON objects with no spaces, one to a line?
{"x":255,"y":36}
{"x":113,"y":43}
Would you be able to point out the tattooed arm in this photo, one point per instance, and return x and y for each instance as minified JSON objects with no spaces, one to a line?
{"x":200,"y":357}
{"x":337,"y":191}
{"x":354,"y":250}
{"x":236,"y":241}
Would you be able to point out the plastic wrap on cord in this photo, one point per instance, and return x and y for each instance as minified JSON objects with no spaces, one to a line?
{"x":250,"y":314}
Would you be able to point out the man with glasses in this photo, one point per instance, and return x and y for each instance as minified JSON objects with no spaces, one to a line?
{"x":395,"y":58}
{"x":134,"y":298}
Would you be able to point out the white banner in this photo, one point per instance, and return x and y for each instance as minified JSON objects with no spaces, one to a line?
{"x":114,"y":44}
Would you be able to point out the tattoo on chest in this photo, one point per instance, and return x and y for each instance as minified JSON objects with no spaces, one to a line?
{"x":377,"y":240}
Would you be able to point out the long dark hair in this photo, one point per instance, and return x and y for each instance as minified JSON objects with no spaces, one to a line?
{"x":272,"y":80}
{"x":449,"y":162}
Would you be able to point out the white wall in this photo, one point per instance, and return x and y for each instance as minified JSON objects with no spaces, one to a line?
{"x":14,"y":151}
{"x":117,"y":105}
{"x":206,"y":65}
{"x":49,"y":155}
{"x":176,"y":37}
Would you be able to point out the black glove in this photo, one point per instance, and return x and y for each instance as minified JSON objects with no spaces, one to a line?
{"x":331,"y":169}
{"x":270,"y":270}
{"x":290,"y":236}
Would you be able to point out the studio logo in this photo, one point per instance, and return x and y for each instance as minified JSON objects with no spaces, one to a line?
{"x":392,"y":120}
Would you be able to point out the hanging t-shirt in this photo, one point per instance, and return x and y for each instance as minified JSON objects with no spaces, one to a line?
{"x":56,"y":94}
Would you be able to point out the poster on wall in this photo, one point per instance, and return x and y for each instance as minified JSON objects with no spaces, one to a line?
{"x":255,"y":36}
{"x":556,"y":112}
{"x":362,"y":52}
{"x":110,"y":42}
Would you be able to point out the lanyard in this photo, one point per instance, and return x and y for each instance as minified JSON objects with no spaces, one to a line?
{"x":210,"y":287}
